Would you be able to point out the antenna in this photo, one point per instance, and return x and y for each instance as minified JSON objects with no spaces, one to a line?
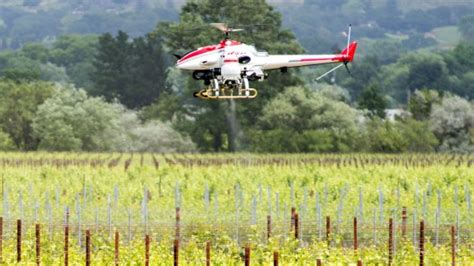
{"x":349,"y":39}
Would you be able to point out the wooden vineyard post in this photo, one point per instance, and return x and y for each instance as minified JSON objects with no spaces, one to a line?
{"x":247,"y":255}
{"x":178,"y":218}
{"x":1,"y":240}
{"x":38,"y":244}
{"x":208,"y":253}
{"x":269,"y":226}
{"x":453,"y":245}
{"x":88,"y":247}
{"x":355,"y":235}
{"x":359,"y":263}
{"x":328,"y":230}
{"x":18,"y":240}
{"x":422,"y":243}
{"x":390,"y":241}
{"x":296,"y":226}
{"x":176,"y":252}
{"x":147,"y":250}
{"x":275,"y":258}
{"x":404,"y":222}
{"x":66,"y":238}
{"x":319,"y":262}
{"x":116,"y":248}
{"x":66,"y":245}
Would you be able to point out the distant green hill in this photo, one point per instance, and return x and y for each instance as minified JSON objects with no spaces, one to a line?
{"x":429,"y":4}
{"x":47,"y":4}
{"x":316,"y":23}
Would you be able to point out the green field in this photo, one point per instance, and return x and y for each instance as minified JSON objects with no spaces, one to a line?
{"x":447,"y":37}
{"x":226,"y":199}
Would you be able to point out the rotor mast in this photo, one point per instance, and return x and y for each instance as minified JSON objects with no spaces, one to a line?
{"x":225,"y":29}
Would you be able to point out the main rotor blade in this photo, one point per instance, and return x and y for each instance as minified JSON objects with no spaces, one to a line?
{"x":220,"y":26}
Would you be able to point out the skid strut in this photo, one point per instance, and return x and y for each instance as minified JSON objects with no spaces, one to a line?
{"x":208,"y":94}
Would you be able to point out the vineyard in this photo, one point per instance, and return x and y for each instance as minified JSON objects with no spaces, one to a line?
{"x":233,"y":209}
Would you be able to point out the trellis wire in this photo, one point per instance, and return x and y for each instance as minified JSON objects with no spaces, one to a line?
{"x":269,"y":200}
{"x":277,"y":205}
{"x":79,"y":223}
{"x":381,"y":209}
{"x":216,"y":205}
{"x":318,"y":216}
{"x":437,"y":217}
{"x":360,"y":215}
{"x":20,"y":204}
{"x":456,"y":202}
{"x":109,"y":216}
{"x":375,"y":226}
{"x":254,"y":210}
{"x":237,"y":211}
{"x":207,"y":201}
{"x":145,"y":209}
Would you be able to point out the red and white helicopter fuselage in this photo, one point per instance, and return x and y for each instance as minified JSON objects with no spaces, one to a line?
{"x":230,"y":65}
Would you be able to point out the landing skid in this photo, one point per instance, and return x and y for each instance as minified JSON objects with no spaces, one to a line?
{"x":225,"y":94}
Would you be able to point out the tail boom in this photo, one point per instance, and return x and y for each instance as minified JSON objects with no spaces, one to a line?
{"x":279,"y":61}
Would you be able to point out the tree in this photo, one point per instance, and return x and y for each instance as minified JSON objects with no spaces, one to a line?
{"x":452,"y":122}
{"x":31,"y":2}
{"x":76,"y":54}
{"x":373,"y":100}
{"x":27,"y":28}
{"x":6,"y":142}
{"x":213,"y":125}
{"x":417,"y":135}
{"x":73,"y":121}
{"x":35,"y":51}
{"x":133,"y":72}
{"x":112,"y":70}
{"x":148,"y":69}
{"x":18,"y":105}
{"x":20,"y":68}
{"x":468,"y":84}
{"x":385,"y":137}
{"x":466,"y":27}
{"x":463,"y":54}
{"x":367,"y":71}
{"x":403,"y":135}
{"x":53,"y":73}
{"x":421,"y":102}
{"x":415,"y":71}
{"x":298,"y":120}
{"x":426,"y":71}
{"x":151,"y":136}
{"x":156,"y":136}
{"x":70,"y":120}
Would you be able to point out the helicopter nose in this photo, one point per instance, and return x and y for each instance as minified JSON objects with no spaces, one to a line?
{"x":184,"y":65}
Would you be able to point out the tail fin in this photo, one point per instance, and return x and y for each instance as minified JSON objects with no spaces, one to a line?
{"x":349,"y":52}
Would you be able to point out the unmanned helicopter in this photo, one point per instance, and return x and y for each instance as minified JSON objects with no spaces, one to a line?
{"x":228,"y":67}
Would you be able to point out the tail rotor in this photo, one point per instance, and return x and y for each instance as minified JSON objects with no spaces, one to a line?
{"x":345,"y":57}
